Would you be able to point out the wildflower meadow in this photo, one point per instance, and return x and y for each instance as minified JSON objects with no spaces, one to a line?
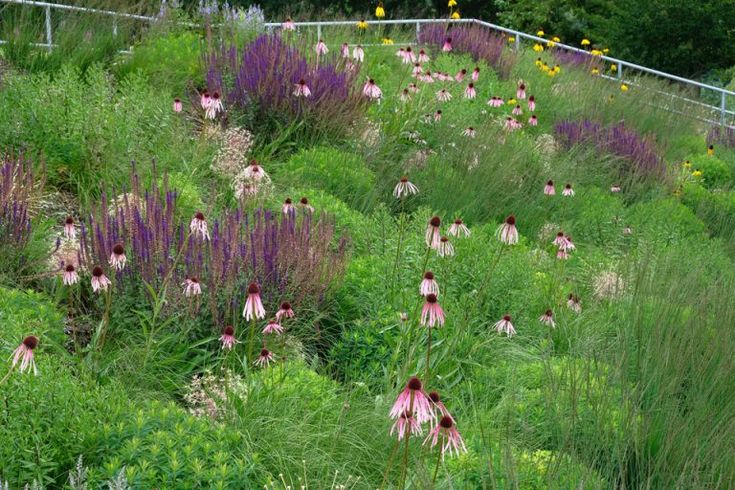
{"x":245,"y":255}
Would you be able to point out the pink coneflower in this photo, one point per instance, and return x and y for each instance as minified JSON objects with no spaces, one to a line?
{"x":413,"y":88}
{"x":521,"y":91}
{"x":560,"y":240}
{"x":446,"y":249}
{"x":413,"y":400}
{"x":406,"y":424}
{"x":265,"y":358}
{"x":273,"y":327}
{"x":460,"y":75}
{"x":532,"y":103}
{"x":117,"y":257}
{"x":568,"y":191}
{"x":215,"y":107}
{"x":437,"y":402}
{"x":469,"y":132}
{"x":423,"y":57}
{"x":253,"y":305}
{"x":533,"y":120}
{"x":505,"y":326}
{"x":70,"y":275}
{"x":495,"y":101}
{"x":458,"y":229}
{"x":562,"y":254}
{"x":404,"y":188}
{"x":470,"y":92}
{"x":409,"y":56}
{"x":205,"y":100}
{"x":517,"y":111}
{"x":288,"y":206}
{"x":405,"y":95}
{"x":100,"y":282}
{"x":285,"y":311}
{"x":228,"y":338}
{"x":426,"y":77}
{"x":255,"y":172}
{"x":70,"y":231}
{"x":24,"y":354}
{"x":358,"y":54}
{"x":288,"y":25}
{"x":574,"y":304}
{"x":507,"y":232}
{"x":321,"y":48}
{"x":345,"y":50}
{"x":178,"y":106}
{"x":451,"y":441}
{"x":192,"y":287}
{"x":511,"y":124}
{"x":447,"y":47}
{"x":443,"y":95}
{"x":198,"y":226}
{"x":417,"y":70}
{"x":476,"y":74}
{"x":433,"y":233}
{"x":549,"y":188}
{"x":301,"y":89}
{"x":438,"y":116}
{"x":614,"y":188}
{"x":569,"y":244}
{"x":431,"y":313}
{"x":371,"y":90}
{"x":400,"y":52}
{"x":428,"y":285}
{"x":304,"y":204}
{"x":548,"y":319}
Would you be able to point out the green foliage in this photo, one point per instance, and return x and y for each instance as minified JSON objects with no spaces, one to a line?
{"x":90,"y":129}
{"x":716,"y":174}
{"x":339,"y":173}
{"x":172,"y":62}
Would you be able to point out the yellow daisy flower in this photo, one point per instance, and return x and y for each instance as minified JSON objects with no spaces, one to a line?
{"x":550,"y":43}
{"x":455,"y":15}
{"x":687,"y":164}
{"x":379,"y":11}
{"x":613,"y":67}
{"x":511,"y":39}
{"x":387,"y":41}
{"x":596,"y":52}
{"x":452,"y":3}
{"x":362,"y":24}
{"x":624,"y":87}
{"x":710,"y":150}
{"x":697,"y":173}
{"x":538,"y":48}
{"x":511,"y":101}
{"x":540,"y":33}
{"x":595,"y":71}
{"x":538,"y":62}
{"x":585,"y":42}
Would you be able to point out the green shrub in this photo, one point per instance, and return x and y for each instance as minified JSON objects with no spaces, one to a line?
{"x":340,"y":173}
{"x":715,"y":173}
{"x":172,"y":62}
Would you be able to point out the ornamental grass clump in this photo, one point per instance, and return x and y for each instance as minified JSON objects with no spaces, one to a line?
{"x":274,"y":83}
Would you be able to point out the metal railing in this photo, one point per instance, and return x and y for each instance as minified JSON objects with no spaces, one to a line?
{"x":623,"y":67}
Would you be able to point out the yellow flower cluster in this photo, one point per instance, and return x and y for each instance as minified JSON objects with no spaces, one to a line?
{"x":379,"y":11}
{"x":552,"y":71}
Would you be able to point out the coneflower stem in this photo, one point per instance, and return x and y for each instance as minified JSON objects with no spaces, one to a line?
{"x":436,"y":469}
{"x":428,"y":357}
{"x":251,"y":339}
{"x":398,"y":248}
{"x":389,"y":465}
{"x":404,"y":469}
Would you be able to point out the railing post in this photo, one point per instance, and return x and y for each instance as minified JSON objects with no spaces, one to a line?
{"x":723,"y":108}
{"x":517,"y":42}
{"x":114,"y":25}
{"x":620,"y":71}
{"x":49,"y":39}
{"x":418,"y":31}
{"x":318,"y":32}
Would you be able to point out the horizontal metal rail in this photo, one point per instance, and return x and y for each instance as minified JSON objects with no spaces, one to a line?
{"x":622,"y":65}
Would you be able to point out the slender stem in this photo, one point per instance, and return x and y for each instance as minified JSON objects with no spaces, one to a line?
{"x":12,"y":367}
{"x":404,"y":469}
{"x":398,"y":248}
{"x":251,"y":339}
{"x":428,"y":357}
{"x":438,"y":462}
{"x":389,"y":465}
